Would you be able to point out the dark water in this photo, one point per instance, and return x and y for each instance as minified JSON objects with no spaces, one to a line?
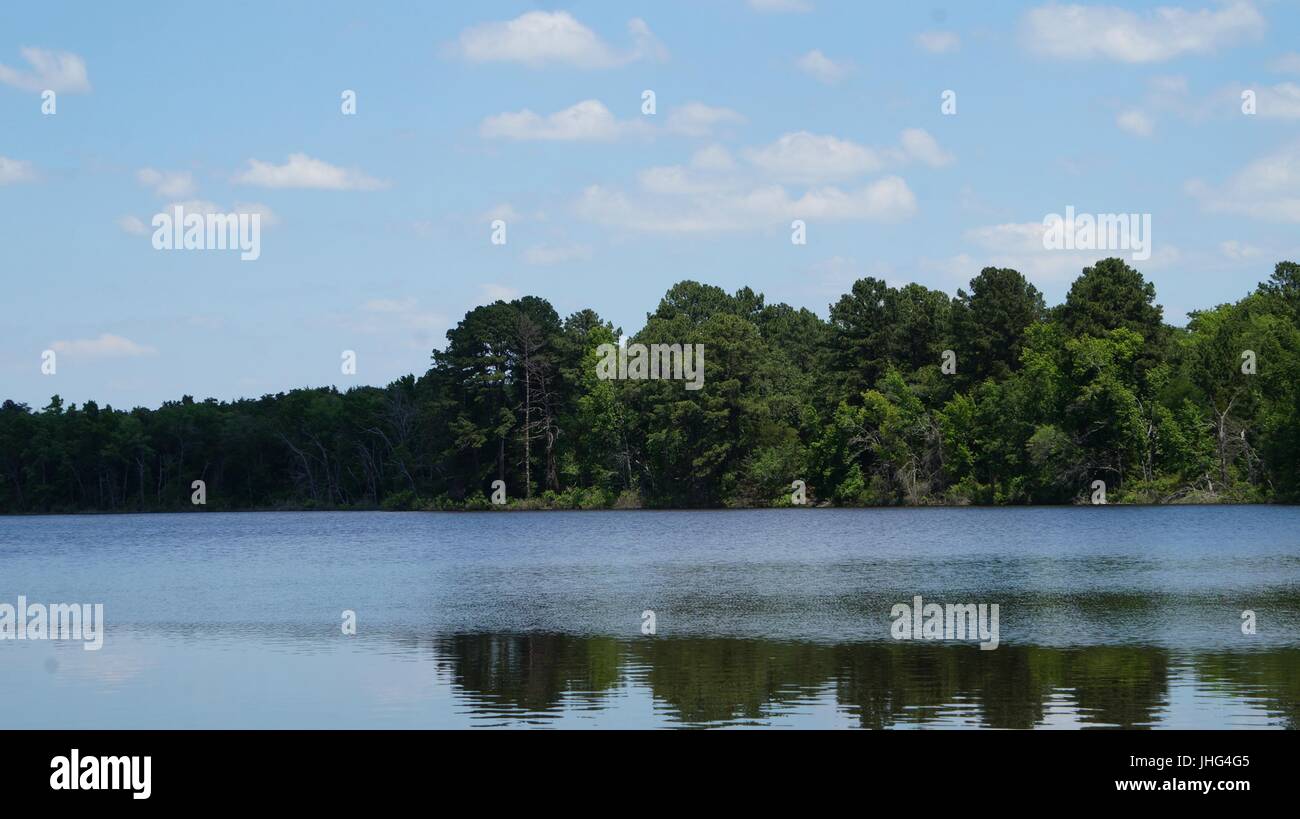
{"x":1108,"y":617}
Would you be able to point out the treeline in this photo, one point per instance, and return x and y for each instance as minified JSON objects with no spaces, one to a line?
{"x":904,"y":396}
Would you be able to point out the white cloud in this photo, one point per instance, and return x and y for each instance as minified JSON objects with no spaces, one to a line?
{"x":938,"y":42}
{"x":504,"y":211}
{"x":713,"y":158}
{"x":1016,"y":237}
{"x":556,"y":254}
{"x":59,"y":71}
{"x":806,"y":158}
{"x":751,"y":208}
{"x":1288,"y":63}
{"x":106,"y":346}
{"x":132,"y":225}
{"x":1090,"y":32}
{"x":698,"y":120}
{"x":269,"y":217}
{"x":1173,"y":95}
{"x":713,"y":193}
{"x":1022,"y":242}
{"x":203,"y":207}
{"x":1238,"y":251}
{"x":538,"y":38}
{"x":780,"y":6}
{"x":15,"y":170}
{"x":173,"y":184}
{"x":1169,"y":84}
{"x":919,"y":145}
{"x":301,"y":171}
{"x":822,"y":68}
{"x":1267,"y":188}
{"x":1281,"y":101}
{"x":1019,"y":246}
{"x":588,"y":120}
{"x":1056,"y":267}
{"x":1135,"y":122}
{"x":803,"y":157}
{"x":674,"y":179}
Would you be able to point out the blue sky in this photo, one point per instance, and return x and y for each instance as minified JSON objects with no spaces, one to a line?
{"x":376,"y":226}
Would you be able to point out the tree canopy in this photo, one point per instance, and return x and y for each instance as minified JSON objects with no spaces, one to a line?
{"x":1037,"y":404}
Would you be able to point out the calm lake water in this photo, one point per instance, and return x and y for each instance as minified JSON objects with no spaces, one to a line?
{"x":1113,"y":616}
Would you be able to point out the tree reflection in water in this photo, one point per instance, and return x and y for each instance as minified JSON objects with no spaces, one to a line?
{"x":726,"y":681}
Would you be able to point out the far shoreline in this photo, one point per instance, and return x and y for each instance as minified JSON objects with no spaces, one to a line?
{"x":521,"y":509}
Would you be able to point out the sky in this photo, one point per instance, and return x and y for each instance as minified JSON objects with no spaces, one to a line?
{"x":915,"y":142}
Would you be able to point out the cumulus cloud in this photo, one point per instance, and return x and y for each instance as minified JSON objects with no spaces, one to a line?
{"x":1267,"y":188}
{"x":1106,"y":32}
{"x":674,"y":179}
{"x":15,"y":170}
{"x":800,"y":175}
{"x":203,"y":207}
{"x":586,"y":121}
{"x":938,"y":42}
{"x":302,"y":171}
{"x":504,"y":211}
{"x":132,"y":225}
{"x":1019,"y":246}
{"x":822,"y":68}
{"x":268,"y":216}
{"x":1238,"y":251}
{"x":1281,"y":101}
{"x":749,"y":208}
{"x":591,"y":121}
{"x":539,"y":38}
{"x":699,"y":120}
{"x":803,"y":157}
{"x":173,"y":184}
{"x":919,"y":145}
{"x":1016,"y":237}
{"x":713,"y":158}
{"x":60,"y":71}
{"x":1135,"y":122}
{"x":106,"y":346}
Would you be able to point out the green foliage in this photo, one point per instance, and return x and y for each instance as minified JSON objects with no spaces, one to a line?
{"x":1042,"y":403}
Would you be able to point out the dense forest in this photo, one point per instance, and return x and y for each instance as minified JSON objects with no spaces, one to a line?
{"x":1035,"y":403}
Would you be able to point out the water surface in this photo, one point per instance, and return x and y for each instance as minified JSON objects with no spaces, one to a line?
{"x":1116,"y":616}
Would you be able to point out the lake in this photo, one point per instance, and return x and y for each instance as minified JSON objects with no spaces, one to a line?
{"x":1108,"y":616}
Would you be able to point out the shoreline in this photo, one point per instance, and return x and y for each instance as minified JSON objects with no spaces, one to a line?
{"x":520,"y":509}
